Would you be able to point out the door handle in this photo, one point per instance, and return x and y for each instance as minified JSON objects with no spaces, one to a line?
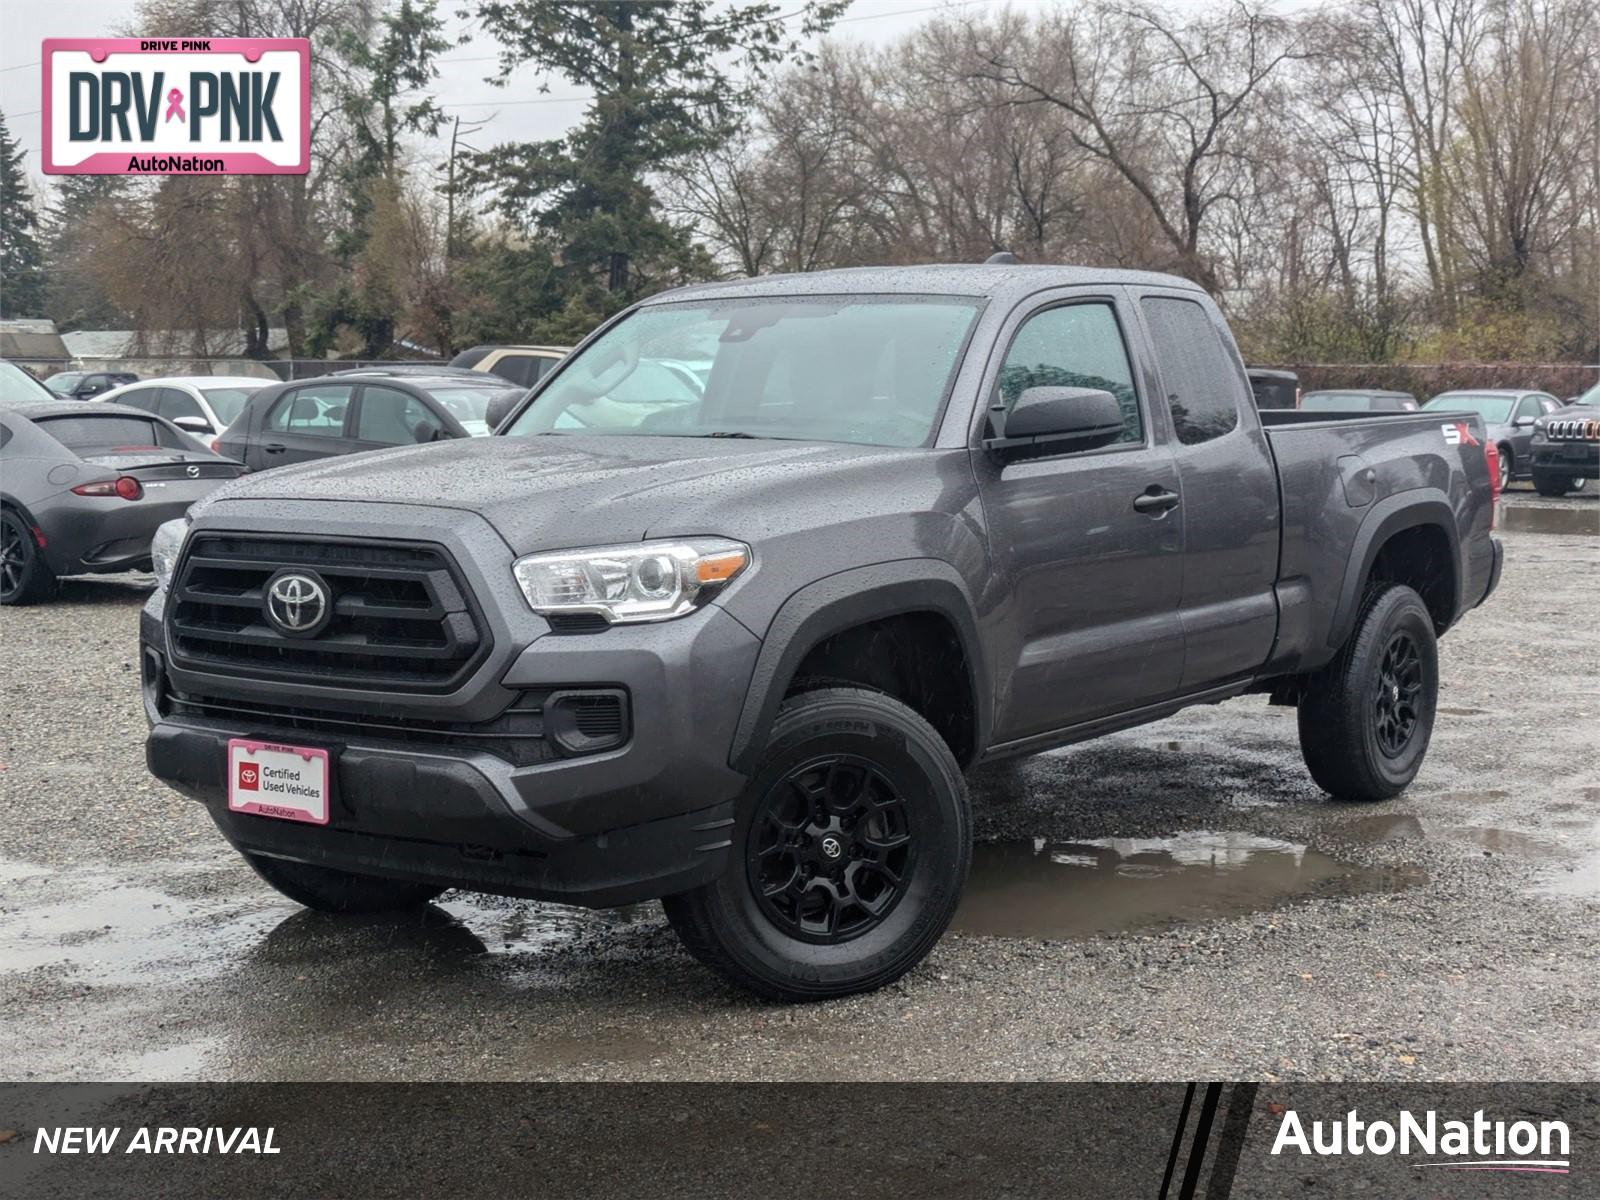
{"x":1155,"y":501}
{"x":274,"y":447}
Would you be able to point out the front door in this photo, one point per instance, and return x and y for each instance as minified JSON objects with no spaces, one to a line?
{"x":1086,"y":586}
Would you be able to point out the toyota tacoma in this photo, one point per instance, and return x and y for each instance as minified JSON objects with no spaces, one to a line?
{"x":732,"y":600}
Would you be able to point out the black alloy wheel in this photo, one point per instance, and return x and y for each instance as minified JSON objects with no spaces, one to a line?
{"x":1398,"y":705}
{"x":24,"y":576}
{"x":830,"y":849}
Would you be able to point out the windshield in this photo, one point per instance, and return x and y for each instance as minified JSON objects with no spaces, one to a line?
{"x":19,"y":387}
{"x":228,"y":402}
{"x":1590,"y":399}
{"x":470,"y":404}
{"x":866,"y":369}
{"x":1494,"y":409}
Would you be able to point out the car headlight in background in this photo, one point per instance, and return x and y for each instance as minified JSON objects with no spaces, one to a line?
{"x":647,"y":581}
{"x":165,"y":548}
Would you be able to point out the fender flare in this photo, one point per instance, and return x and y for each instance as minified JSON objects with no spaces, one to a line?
{"x":1391,"y":515}
{"x":855,"y":597}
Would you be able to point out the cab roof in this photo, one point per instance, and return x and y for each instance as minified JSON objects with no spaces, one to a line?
{"x":979,"y":280}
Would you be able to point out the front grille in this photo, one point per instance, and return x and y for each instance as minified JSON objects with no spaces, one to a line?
{"x":517,"y":735}
{"x":1572,"y":429}
{"x":401,"y":616}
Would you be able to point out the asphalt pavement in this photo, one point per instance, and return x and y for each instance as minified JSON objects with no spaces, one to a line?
{"x":1174,"y":902}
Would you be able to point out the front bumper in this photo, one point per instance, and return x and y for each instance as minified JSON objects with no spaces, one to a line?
{"x":1579,"y":459}
{"x":647,"y":819}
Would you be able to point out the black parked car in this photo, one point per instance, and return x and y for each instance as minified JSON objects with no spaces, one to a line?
{"x":342,"y":414}
{"x":1358,"y":400}
{"x":1566,"y":446}
{"x":83,"y":488}
{"x":1274,"y":389}
{"x":82,"y":385}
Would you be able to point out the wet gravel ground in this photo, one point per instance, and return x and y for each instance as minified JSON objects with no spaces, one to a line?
{"x":1239,"y":924}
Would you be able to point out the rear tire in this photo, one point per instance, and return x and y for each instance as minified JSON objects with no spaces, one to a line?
{"x":25,"y":578}
{"x":1366,"y":718}
{"x":330,"y":890}
{"x":1554,"y":483}
{"x":850,"y":851}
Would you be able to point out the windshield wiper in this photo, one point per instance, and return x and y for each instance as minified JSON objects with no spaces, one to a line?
{"x":739,"y":433}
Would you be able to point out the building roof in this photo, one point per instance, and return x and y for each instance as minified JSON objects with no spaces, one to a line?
{"x":121,"y":343}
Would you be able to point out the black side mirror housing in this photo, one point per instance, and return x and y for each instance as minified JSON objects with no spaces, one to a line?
{"x":1076,"y":418}
{"x":500,"y":408}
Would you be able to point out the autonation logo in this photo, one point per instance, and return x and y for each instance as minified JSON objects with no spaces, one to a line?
{"x":1477,"y":1145}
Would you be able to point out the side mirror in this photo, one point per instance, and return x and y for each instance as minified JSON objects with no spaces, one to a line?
{"x":1523,"y":422}
{"x":500,"y":408}
{"x":1085,"y":418}
{"x":193,"y":424}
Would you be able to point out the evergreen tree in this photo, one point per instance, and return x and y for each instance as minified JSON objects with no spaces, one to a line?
{"x":670,"y":77}
{"x":21,"y":261}
{"x":74,"y":296}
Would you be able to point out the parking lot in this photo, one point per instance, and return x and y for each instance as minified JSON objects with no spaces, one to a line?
{"x":1177,"y":901}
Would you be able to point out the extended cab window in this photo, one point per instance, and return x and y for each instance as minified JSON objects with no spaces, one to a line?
{"x":311,"y":411}
{"x":1203,"y":387}
{"x":1076,"y":345}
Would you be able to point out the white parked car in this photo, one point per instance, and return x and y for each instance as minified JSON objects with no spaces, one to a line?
{"x":203,"y":405}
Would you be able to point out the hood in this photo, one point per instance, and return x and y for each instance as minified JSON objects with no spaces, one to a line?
{"x":554,"y":492}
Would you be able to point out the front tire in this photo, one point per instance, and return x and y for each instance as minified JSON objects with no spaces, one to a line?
{"x":1366,"y":718}
{"x":25,"y":578}
{"x":329,"y":890}
{"x":849,"y":855}
{"x":1506,"y":465}
{"x":1554,"y":483}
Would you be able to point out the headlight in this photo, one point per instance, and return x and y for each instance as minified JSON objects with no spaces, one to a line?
{"x":648,"y":581}
{"x":165,"y":548}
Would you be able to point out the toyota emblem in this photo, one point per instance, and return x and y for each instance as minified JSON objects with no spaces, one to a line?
{"x":298,"y":603}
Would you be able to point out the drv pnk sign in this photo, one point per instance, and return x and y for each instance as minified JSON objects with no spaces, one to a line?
{"x":171,"y":106}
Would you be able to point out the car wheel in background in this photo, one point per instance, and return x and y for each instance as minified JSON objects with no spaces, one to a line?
{"x":1553,"y":483}
{"x":1365,"y":718}
{"x":329,"y":890}
{"x":25,"y":577}
{"x":1505,"y":466}
{"x":850,"y":852}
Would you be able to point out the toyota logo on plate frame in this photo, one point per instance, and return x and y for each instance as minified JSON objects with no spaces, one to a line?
{"x":298,"y":603}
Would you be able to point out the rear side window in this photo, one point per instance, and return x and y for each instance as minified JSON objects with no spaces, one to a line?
{"x":144,"y":399}
{"x":311,"y":411}
{"x":1202,"y":384}
{"x":1076,"y":345}
{"x":96,"y":435}
{"x":523,"y":370}
{"x":175,"y":404}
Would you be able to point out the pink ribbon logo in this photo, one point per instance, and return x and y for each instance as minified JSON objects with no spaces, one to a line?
{"x":175,"y":105}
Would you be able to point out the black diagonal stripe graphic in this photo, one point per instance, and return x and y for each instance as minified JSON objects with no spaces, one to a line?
{"x":1241,"y":1107}
{"x":1177,"y":1141}
{"x":1202,"y":1135}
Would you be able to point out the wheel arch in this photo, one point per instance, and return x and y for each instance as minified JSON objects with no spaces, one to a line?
{"x":866,"y":598}
{"x":1405,"y":539}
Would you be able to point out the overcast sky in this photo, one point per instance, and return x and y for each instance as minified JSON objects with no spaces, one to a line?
{"x":517,"y":113}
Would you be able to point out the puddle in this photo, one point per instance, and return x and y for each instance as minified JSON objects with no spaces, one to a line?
{"x":1507,"y":841}
{"x":1582,"y":880}
{"x":1389,"y":827}
{"x":1047,"y":889}
{"x":1540,"y":518}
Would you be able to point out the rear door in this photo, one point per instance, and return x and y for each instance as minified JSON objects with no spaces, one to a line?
{"x":1089,"y":584}
{"x":304,"y":424}
{"x":1228,"y":486}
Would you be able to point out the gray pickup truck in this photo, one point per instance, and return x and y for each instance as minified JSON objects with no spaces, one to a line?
{"x":731,"y":639}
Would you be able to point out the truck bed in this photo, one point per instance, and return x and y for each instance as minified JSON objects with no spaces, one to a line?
{"x":1347,"y":480}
